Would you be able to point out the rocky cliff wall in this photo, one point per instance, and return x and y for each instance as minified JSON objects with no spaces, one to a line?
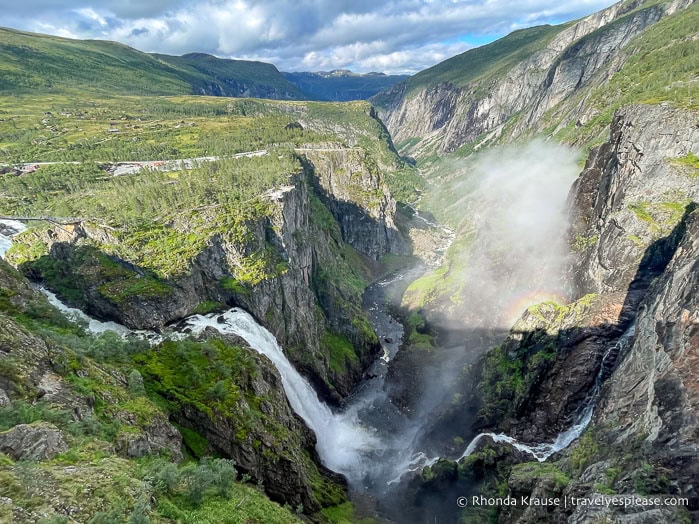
{"x":581,"y":56}
{"x":306,"y":252}
{"x":633,"y":192}
{"x":632,"y":336}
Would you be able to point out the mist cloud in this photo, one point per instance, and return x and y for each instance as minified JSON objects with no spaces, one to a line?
{"x":514,"y":202}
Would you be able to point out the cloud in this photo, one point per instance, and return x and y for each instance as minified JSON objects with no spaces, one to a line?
{"x":364,"y":35}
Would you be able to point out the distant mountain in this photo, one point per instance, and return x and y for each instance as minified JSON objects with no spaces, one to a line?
{"x":32,"y":62}
{"x":342,"y":85}
{"x":237,"y":78}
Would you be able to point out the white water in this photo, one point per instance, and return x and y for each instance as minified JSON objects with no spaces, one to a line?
{"x":564,"y":439}
{"x":9,"y":228}
{"x":539,"y":451}
{"x":97,"y":326}
{"x":342,"y":441}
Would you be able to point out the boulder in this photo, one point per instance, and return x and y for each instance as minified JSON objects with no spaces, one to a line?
{"x":38,"y":441}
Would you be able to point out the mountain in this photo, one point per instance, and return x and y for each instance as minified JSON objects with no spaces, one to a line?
{"x":209,"y":75}
{"x":40,"y":63}
{"x":531,"y":358}
{"x":553,"y":80}
{"x":342,"y":85}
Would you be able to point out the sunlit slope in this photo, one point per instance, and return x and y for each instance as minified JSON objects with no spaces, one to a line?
{"x":563,"y":81}
{"x":31,"y":63}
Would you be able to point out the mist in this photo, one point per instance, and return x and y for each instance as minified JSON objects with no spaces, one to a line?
{"x":513,"y":200}
{"x":511,"y":204}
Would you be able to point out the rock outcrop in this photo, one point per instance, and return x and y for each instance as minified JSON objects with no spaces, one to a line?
{"x":352,"y":189}
{"x":38,"y":441}
{"x":630,"y":339}
{"x":631,"y":194}
{"x":310,"y":246}
{"x":158,"y":436}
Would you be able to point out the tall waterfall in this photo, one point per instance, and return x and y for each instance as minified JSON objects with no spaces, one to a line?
{"x":584,"y":413}
{"x":343,"y":444}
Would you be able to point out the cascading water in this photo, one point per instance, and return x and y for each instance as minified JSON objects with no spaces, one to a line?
{"x":564,"y":439}
{"x":98,"y":326}
{"x":343,"y":444}
{"x":8,"y":229}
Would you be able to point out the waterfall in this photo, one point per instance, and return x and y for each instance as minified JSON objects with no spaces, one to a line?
{"x":541,"y":451}
{"x":343,"y":444}
{"x":584,"y":413}
{"x":97,"y":327}
{"x":8,"y":229}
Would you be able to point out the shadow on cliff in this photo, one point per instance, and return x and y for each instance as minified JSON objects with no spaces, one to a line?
{"x":532,"y":387}
{"x":368,"y":235}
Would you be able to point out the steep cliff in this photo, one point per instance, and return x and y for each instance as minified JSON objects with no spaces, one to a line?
{"x":79,"y":408}
{"x":538,"y":79}
{"x":300,"y":248}
{"x":627,"y":347}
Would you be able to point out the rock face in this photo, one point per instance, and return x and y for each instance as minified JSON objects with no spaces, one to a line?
{"x":653,"y":394}
{"x":630,"y":212}
{"x":636,"y":233}
{"x":568,"y":60}
{"x":356,"y":196}
{"x":158,"y":436}
{"x":38,"y":441}
{"x":278,"y":450}
{"x":630,"y":195}
{"x":309,"y":266}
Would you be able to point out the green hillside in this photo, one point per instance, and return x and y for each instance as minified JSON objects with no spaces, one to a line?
{"x":206,"y":74}
{"x":488,"y":61}
{"x":31,"y":63}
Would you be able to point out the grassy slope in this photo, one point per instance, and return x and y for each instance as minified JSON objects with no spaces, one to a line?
{"x":98,"y":371}
{"x":202,"y":69}
{"x":50,"y":64}
{"x":487,"y":62}
{"x":662,"y":65}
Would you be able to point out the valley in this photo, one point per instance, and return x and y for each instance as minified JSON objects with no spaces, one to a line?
{"x":221,"y":302}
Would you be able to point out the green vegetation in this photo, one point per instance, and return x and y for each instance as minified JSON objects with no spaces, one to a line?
{"x":540,"y":470}
{"x":344,"y":514}
{"x":341,"y":351}
{"x":121,"y":389}
{"x":507,"y":379}
{"x":443,"y":285}
{"x":688,"y":163}
{"x":31,"y":62}
{"x":585,"y":452}
{"x":87,"y":267}
{"x":660,"y":66}
{"x":483,"y":64}
{"x":659,"y":217}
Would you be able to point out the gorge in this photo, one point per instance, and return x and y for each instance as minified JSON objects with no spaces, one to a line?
{"x":482,"y":282}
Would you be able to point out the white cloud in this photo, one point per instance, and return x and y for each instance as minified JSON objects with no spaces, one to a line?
{"x":390,"y":36}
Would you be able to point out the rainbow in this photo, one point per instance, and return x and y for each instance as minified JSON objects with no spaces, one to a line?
{"x":516,"y":307}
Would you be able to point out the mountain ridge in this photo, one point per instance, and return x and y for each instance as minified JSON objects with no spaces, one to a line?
{"x":443,"y":109}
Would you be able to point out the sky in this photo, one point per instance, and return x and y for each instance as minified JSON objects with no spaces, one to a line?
{"x":393,"y":36}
